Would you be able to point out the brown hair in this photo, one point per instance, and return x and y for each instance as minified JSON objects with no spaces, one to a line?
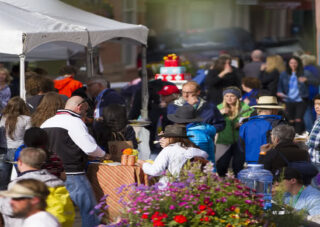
{"x":37,"y":83}
{"x":220,"y":62}
{"x":251,"y":82}
{"x":38,"y":188}
{"x":194,"y":84}
{"x":6,"y":71}
{"x":50,"y":103}
{"x":33,"y":157}
{"x":15,"y":107}
{"x":185,"y":142}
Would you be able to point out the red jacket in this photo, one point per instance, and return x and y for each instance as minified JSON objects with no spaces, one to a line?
{"x":67,"y":85}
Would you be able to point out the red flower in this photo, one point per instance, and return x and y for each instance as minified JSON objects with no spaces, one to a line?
{"x":158,"y":216}
{"x":210,"y":212}
{"x":158,"y":223}
{"x":180,"y":219}
{"x":206,"y":219}
{"x":144,"y":216}
{"x":202,"y":207}
{"x":232,"y":208}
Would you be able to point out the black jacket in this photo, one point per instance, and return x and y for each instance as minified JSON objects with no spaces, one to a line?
{"x":272,"y":160}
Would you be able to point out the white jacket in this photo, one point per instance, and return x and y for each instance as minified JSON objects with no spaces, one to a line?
{"x":172,"y":157}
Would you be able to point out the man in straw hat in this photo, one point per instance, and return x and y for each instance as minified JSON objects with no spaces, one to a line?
{"x":28,"y":200}
{"x":256,"y":131}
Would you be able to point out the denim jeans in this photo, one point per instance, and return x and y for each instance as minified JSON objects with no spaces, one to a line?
{"x":5,"y":167}
{"x":82,"y":195}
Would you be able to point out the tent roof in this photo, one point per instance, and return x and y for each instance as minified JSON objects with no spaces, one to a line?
{"x":40,"y":22}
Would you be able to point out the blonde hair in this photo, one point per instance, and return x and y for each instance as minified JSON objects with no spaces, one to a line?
{"x":6,"y":71}
{"x":234,"y":109}
{"x":275,"y":62}
{"x":308,"y":59}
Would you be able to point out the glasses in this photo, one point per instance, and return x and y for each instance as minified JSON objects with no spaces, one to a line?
{"x":20,"y":199}
{"x":188,"y":92}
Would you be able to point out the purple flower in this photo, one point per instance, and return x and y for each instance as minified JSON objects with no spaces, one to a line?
{"x":248,"y":201}
{"x":172,"y":207}
{"x":182,"y":203}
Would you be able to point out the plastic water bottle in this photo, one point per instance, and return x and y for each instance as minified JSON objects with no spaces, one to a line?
{"x":259,"y":179}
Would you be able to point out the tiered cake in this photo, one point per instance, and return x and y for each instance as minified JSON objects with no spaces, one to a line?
{"x":172,"y":71}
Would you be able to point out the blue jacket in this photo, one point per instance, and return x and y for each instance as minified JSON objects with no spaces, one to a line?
{"x":256,"y":132}
{"x":283,"y":86}
{"x":203,"y":135}
{"x":208,"y":111}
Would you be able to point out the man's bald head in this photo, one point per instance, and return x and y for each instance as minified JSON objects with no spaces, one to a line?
{"x":257,"y":55}
{"x":78,"y":105}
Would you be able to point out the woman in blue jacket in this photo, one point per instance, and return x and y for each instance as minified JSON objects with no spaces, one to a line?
{"x":292,"y":89}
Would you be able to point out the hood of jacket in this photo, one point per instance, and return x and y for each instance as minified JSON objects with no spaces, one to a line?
{"x":42,"y":175}
{"x":62,"y":82}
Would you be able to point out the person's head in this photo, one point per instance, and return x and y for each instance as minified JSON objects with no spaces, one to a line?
{"x":31,"y":158}
{"x":28,"y":196}
{"x":77,"y":104}
{"x":37,"y":84}
{"x":190,"y":88}
{"x":316,"y":102}
{"x":95,"y":85}
{"x":308,"y":59}
{"x":294,"y":64}
{"x":169,"y":93}
{"x":115,"y":117}
{"x":249,"y":83}
{"x":50,"y":103}
{"x":231,"y":95}
{"x":4,"y":75}
{"x":176,"y":134}
{"x":257,"y":55}
{"x":220,"y":63}
{"x":282,"y":133}
{"x":15,"y":107}
{"x":267,"y":105}
{"x":292,"y":179}
{"x":36,"y":137}
{"x":68,"y":71}
{"x":274,"y":62}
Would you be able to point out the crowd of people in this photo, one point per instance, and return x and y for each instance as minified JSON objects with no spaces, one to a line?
{"x":238,"y":115}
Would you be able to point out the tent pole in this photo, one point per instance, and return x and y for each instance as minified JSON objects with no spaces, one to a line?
{"x":89,"y":59}
{"x":22,"y":58}
{"x":145,"y":93}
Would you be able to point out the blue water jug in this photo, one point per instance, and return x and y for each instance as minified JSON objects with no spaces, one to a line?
{"x":259,"y":179}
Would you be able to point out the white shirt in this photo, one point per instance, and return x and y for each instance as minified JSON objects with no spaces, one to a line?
{"x":23,"y":123}
{"x":41,"y":218}
{"x":172,"y":157}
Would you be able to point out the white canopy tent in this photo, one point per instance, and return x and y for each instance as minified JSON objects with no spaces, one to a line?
{"x":50,"y":29}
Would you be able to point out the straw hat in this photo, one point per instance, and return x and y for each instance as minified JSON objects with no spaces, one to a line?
{"x":19,"y":191}
{"x":268,"y":102}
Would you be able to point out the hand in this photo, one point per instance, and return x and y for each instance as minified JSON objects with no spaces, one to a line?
{"x":140,"y":162}
{"x":164,"y":142}
{"x":263,"y":67}
{"x":107,"y":157}
{"x":266,"y":147}
{"x":281,"y":95}
{"x":246,"y":101}
{"x":192,"y":100}
{"x":225,"y":110}
{"x":302,"y":79}
{"x":163,"y":104}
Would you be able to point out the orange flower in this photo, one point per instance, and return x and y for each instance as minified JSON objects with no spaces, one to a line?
{"x":127,"y":151}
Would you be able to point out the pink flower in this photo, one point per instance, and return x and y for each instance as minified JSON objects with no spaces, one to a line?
{"x":248,"y":201}
{"x":172,"y":207}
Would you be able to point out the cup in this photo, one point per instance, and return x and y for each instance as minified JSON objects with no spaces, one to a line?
{"x":124,"y":159}
{"x":131,"y":160}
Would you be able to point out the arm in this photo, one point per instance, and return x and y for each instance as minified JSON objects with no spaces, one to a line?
{"x":310,"y":79}
{"x":84,"y":140}
{"x":218,"y":120}
{"x":160,"y":164}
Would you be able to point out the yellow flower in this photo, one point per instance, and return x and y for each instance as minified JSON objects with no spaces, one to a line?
{"x":237,"y":210}
{"x":234,"y":216}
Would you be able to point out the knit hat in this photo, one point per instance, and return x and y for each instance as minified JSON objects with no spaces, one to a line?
{"x":169,"y":90}
{"x":233,"y":90}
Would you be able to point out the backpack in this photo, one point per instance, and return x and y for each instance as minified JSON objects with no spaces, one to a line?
{"x":60,"y":205}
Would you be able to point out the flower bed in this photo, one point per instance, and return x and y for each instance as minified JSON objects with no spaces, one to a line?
{"x":199,"y":198}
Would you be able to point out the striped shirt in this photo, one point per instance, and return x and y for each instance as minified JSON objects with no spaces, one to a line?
{"x":314,"y":142}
